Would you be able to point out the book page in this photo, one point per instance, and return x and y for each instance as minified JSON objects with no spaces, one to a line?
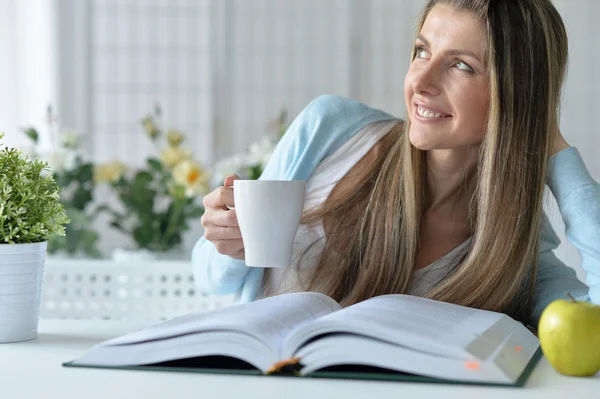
{"x":209,"y":344}
{"x":332,"y":350}
{"x":268,"y":320}
{"x":430,"y":326}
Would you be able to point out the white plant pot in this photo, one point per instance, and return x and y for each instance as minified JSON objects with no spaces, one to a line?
{"x":21,"y":270}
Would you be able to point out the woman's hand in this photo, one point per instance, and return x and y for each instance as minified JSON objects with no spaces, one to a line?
{"x":220,"y":223}
{"x":558,"y":143}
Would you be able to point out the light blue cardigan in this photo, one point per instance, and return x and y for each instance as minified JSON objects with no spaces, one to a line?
{"x":329,"y":121}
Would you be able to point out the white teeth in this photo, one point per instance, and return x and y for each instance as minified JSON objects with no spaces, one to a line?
{"x":428,"y":114}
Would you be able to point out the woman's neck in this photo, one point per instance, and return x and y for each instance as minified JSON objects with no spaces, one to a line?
{"x":450,"y":181}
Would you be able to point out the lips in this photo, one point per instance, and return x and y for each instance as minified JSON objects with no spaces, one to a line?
{"x":430,"y":108}
{"x":428,"y":112}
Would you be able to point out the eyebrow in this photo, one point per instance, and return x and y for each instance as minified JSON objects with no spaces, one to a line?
{"x":452,"y":51}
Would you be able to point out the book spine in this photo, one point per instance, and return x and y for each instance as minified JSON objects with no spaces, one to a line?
{"x":288,"y":366}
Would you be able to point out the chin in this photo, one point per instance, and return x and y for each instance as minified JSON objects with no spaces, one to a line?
{"x":420,"y":142}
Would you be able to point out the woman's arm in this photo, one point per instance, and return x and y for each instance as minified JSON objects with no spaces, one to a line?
{"x":219,"y":274}
{"x":578,"y":198}
{"x":318,"y":131}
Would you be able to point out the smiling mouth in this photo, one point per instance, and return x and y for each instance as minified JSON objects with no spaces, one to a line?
{"x":430,"y":114}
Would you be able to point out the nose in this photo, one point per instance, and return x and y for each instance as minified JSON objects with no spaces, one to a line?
{"x":425,"y":81}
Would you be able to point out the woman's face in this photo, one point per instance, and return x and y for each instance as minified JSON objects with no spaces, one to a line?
{"x":447,"y":84}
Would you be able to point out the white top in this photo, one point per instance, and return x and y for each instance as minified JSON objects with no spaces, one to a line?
{"x":310,"y":240}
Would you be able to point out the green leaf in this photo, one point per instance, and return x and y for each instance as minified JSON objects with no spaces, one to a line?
{"x":127,"y":201}
{"x":155,"y":164}
{"x":32,"y":134}
{"x":88,"y":238}
{"x":30,"y":200}
{"x":195,"y":212}
{"x":57,"y":243}
{"x":93,"y":252}
{"x":81,"y":198}
{"x":72,"y":243}
{"x":118,"y":226}
{"x":122,"y":182}
{"x":254,"y":172}
{"x":174,"y":241}
{"x":63,"y":179}
{"x":85,"y":172}
{"x":142,"y":196}
{"x":142,"y":178}
{"x":143,"y":234}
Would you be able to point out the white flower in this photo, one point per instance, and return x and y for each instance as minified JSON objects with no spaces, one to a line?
{"x":228,"y":166}
{"x":260,"y":152}
{"x":70,"y":159}
{"x":192,"y":177}
{"x":109,"y":172}
{"x":171,"y":156}
{"x":174,"y":138}
{"x":56,"y":160}
{"x":70,"y":139}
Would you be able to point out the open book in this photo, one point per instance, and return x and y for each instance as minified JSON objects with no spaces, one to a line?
{"x":395,"y":337}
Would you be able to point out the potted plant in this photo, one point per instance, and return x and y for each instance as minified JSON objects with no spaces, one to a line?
{"x":30,"y":213}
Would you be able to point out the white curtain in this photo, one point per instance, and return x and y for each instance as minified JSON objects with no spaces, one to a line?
{"x":29,"y":70}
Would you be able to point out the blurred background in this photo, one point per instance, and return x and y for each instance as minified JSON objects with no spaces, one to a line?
{"x":141,"y":106}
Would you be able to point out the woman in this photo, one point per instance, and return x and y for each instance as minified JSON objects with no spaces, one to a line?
{"x":447,"y":205}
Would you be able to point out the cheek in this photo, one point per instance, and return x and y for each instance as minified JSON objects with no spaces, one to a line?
{"x":474,"y":111}
{"x":477,"y":124}
{"x":408,"y":88}
{"x":482,"y":107}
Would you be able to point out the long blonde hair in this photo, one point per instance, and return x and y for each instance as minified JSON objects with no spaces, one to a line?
{"x":373,"y":229}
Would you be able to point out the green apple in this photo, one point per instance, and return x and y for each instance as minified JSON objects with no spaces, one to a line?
{"x":569,"y":333}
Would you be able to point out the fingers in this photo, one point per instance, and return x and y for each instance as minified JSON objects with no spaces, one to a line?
{"x":231,"y":248}
{"x":222,"y":197}
{"x":240,"y":255}
{"x":228,"y":182}
{"x":220,"y":224}
{"x":219,"y":198}
{"x":219,"y":218}
{"x":223,"y":233}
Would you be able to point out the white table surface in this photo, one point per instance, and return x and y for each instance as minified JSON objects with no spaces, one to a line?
{"x":34,"y":369}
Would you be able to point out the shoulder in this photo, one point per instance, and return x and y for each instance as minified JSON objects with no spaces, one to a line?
{"x":331,"y":107}
{"x":322,"y":127}
{"x":328,"y":121}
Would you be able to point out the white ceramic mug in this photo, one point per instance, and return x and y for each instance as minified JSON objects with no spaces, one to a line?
{"x":269,"y":213}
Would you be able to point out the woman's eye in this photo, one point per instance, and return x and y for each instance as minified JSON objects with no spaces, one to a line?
{"x":420,"y":53}
{"x":463,"y":66}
